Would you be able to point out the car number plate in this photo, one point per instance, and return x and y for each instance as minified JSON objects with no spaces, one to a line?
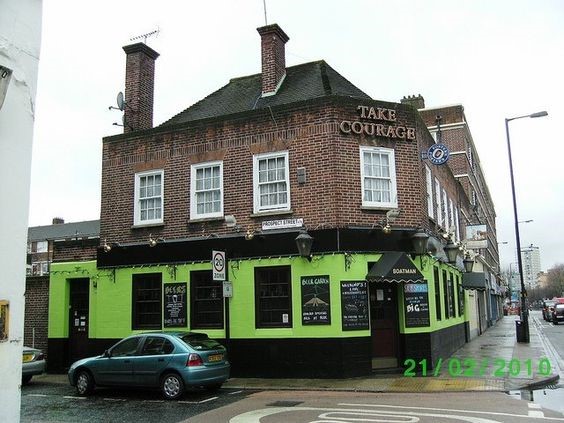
{"x":27,"y":357}
{"x":215,"y":357}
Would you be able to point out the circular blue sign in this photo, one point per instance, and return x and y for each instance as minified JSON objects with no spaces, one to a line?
{"x":438,"y":154}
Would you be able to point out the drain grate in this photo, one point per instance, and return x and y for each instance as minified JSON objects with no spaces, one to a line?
{"x":284,"y":403}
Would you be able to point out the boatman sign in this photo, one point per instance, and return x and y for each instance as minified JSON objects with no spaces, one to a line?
{"x":218,"y":265}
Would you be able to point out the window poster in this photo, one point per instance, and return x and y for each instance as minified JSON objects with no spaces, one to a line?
{"x":416,"y":304}
{"x":316,"y":303}
{"x":354,"y":305}
{"x":175,"y":304}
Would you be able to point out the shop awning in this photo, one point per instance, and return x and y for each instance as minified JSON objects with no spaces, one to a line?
{"x":394,"y":267}
{"x":474,"y":280}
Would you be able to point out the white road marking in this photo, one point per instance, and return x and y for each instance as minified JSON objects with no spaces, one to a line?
{"x":236,"y":392}
{"x":536,"y":414}
{"x":533,"y":405}
{"x":207,"y":400}
{"x":493,"y":413}
{"x":114,"y":399}
{"x":188,"y":402}
{"x":71,"y":397}
{"x":36,"y":395}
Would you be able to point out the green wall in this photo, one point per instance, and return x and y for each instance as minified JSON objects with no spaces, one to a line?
{"x":111,"y":290}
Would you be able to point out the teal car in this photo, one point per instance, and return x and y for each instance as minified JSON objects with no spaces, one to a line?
{"x":169,"y":361}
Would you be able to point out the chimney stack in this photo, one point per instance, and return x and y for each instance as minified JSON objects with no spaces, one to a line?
{"x":273,"y":53}
{"x":58,"y":221}
{"x":416,"y":101}
{"x":139,"y":86}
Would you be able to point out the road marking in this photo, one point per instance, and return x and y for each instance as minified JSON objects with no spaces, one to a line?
{"x":493,"y":413}
{"x":536,"y":410}
{"x":36,"y":395}
{"x":533,"y":405}
{"x":153,"y":400}
{"x":207,"y":400}
{"x":188,"y":402}
{"x":71,"y":397}
{"x":114,"y":399}
{"x":236,"y":392}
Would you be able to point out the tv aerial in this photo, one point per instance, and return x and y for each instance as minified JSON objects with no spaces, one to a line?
{"x":145,"y":36}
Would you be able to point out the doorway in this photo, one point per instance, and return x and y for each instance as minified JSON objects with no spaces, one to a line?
{"x":78,"y":318}
{"x":384,"y":324}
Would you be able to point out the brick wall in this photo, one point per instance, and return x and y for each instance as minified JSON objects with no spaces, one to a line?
{"x":331,"y":197}
{"x":75,"y":250}
{"x":36,"y":311}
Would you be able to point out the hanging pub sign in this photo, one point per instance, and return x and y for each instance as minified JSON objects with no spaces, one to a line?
{"x":416,"y":304}
{"x":438,"y":154}
{"x":175,"y":301}
{"x":354,"y":305}
{"x":316,"y":305}
{"x":387,"y":127}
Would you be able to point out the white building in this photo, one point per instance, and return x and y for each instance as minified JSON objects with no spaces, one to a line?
{"x":20,"y":41}
{"x":530,"y":257}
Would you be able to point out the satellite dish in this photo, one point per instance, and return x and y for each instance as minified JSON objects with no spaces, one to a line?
{"x":120,"y":101}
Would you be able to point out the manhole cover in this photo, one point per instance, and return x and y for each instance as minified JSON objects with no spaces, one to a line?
{"x":284,"y":403}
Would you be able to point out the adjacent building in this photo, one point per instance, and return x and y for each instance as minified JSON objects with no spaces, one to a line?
{"x":308,"y":196}
{"x":530,"y":259}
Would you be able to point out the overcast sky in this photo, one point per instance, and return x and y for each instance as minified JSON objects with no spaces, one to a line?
{"x":497,"y":58}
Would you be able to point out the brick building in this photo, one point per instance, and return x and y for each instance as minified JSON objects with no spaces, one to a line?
{"x":270,"y":162}
{"x":60,"y":241}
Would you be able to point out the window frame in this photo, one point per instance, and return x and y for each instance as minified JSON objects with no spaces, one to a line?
{"x":260,"y":322}
{"x":136,"y":280}
{"x":429,"y":183}
{"x":438,"y":308}
{"x":137,"y":200}
{"x":438,"y":201}
{"x":393,"y":203}
{"x":196,"y":277}
{"x":257,"y":208}
{"x":193,"y":203}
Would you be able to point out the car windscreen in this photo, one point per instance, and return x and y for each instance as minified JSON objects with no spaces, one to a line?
{"x":201,"y":343}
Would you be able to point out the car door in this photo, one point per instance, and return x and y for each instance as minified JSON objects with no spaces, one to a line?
{"x":153,"y":358}
{"x":116,"y":368}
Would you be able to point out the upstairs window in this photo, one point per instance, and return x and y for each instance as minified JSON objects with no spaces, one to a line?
{"x":206,"y":190}
{"x":271,"y":182}
{"x":429,"y":182}
{"x":438,"y":202}
{"x":149,"y":190}
{"x":378,"y":177}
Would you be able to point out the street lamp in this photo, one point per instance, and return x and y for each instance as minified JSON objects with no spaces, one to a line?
{"x":524,"y":312}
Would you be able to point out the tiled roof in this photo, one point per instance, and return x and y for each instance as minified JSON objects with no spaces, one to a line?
{"x":302,"y":82}
{"x":90,"y":228}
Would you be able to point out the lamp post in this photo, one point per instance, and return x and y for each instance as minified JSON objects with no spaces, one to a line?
{"x":524,"y":312}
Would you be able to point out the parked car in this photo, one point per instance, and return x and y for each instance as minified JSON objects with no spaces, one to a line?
{"x":557,"y":313}
{"x":547,"y":309}
{"x":170,"y":361}
{"x":33,"y":363}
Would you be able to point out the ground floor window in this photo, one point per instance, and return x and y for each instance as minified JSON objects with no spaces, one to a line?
{"x":206,"y":297}
{"x":273,"y":297}
{"x":147,"y":301}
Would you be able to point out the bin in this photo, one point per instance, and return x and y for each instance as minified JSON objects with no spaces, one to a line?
{"x":521,"y":331}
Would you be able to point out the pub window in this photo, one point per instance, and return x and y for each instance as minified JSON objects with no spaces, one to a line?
{"x":378,"y":177}
{"x":147,"y":301}
{"x":456,"y":302}
{"x":206,"y":190}
{"x":206,"y":297}
{"x":271,"y":180}
{"x":148,"y":206}
{"x":273,"y":297}
{"x":437,"y":293}
{"x":429,"y":182}
{"x":460,"y":298}
{"x":451,"y":302}
{"x":446,"y":295}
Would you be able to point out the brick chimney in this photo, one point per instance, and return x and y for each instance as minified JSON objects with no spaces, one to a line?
{"x":416,"y":101}
{"x":139,"y":86}
{"x":58,"y":221}
{"x":273,"y":53}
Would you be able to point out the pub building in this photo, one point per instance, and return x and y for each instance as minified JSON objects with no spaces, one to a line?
{"x":337,"y":232}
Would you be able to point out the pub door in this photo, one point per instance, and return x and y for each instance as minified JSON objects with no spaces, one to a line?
{"x":384,"y":324}
{"x":78,"y":319}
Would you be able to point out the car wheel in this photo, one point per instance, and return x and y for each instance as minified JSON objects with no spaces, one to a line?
{"x":172,"y":386}
{"x":554,"y":322}
{"x":84,"y":383}
{"x":214,"y":387}
{"x":26,"y":379}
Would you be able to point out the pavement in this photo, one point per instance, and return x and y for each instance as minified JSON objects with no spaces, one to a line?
{"x":493,"y":361}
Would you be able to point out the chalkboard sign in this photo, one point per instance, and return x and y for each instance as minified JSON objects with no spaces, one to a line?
{"x":354,"y":305}
{"x":316,"y":305}
{"x":175,"y":299}
{"x":416,"y":304}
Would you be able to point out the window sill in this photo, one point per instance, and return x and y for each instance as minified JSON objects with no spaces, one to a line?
{"x":273,"y":213}
{"x":207,"y":219}
{"x":377,"y":208}
{"x":147,"y":225}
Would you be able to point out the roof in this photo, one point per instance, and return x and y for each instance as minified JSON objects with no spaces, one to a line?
{"x":89,"y":228}
{"x":302,"y":82}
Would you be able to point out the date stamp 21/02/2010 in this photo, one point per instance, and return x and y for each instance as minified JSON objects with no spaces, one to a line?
{"x":469,"y":367}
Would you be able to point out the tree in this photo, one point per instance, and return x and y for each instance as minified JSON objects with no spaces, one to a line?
{"x":555,"y":279}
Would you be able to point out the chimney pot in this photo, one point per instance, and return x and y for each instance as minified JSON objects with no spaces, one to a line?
{"x":416,"y":101}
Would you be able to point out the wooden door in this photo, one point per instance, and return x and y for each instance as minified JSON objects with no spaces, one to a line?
{"x":384,"y":324}
{"x":78,"y":318}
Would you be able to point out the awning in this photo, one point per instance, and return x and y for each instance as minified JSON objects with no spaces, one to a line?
{"x":394,"y":267}
{"x":474,"y":280}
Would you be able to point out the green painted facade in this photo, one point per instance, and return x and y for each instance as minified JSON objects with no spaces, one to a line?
{"x":110,"y":307}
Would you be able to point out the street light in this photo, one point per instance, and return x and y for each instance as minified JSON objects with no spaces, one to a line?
{"x":524,"y":312}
